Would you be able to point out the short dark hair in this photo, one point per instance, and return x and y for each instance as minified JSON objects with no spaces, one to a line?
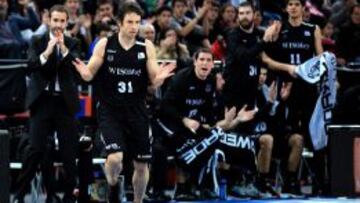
{"x":59,"y":8}
{"x":202,"y":50}
{"x":102,"y":27}
{"x":129,"y":7}
{"x":102,"y":2}
{"x":162,"y":9}
{"x":224,"y":6}
{"x":247,"y":4}
{"x":302,"y":2}
{"x":181,"y":1}
{"x":162,"y":34}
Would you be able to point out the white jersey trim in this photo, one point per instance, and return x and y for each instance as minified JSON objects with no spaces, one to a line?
{"x":308,"y":24}
{"x":140,"y":43}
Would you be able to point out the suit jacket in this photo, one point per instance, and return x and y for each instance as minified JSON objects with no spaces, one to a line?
{"x":42,"y":75}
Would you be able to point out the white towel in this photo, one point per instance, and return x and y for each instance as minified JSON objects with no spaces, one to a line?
{"x":312,"y":71}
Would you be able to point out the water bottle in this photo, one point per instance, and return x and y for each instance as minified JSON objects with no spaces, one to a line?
{"x":122,"y":192}
{"x":223,"y":189}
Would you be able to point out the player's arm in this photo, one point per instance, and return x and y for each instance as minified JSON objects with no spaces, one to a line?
{"x":88,"y":71}
{"x":317,"y":40}
{"x":157,"y":73}
{"x":277,"y":66}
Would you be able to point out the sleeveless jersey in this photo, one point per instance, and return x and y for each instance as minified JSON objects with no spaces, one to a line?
{"x":296,"y":44}
{"x":123,"y":77}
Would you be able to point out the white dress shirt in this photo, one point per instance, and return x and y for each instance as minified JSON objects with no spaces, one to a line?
{"x":43,"y":60}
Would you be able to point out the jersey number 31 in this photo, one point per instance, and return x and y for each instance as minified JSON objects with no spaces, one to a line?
{"x":124,"y":87}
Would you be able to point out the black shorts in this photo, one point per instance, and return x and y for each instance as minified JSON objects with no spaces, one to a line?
{"x":126,"y":129}
{"x":301,"y":106}
{"x":281,"y":148}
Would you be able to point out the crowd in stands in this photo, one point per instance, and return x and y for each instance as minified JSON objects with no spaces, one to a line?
{"x":196,"y":24}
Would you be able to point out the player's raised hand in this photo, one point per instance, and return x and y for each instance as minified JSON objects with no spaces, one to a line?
{"x":166,"y":70}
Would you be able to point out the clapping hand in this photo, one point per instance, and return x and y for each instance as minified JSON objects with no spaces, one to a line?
{"x":246,"y":115}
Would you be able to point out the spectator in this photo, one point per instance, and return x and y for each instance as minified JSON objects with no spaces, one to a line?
{"x":73,"y":26}
{"x":340,"y":11}
{"x":27,"y":34}
{"x":162,"y":21}
{"x":327,"y":41}
{"x":188,"y":29}
{"x":170,"y":48}
{"x":79,"y":26}
{"x":218,"y":48}
{"x":10,"y":39}
{"x":209,"y":21}
{"x":348,"y":41}
{"x":227,"y":20}
{"x":147,"y":31}
{"x":258,"y":19}
{"x":25,"y":17}
{"x":105,"y":14}
{"x":306,"y":14}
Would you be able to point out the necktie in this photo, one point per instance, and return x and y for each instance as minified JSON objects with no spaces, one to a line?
{"x":58,"y":57}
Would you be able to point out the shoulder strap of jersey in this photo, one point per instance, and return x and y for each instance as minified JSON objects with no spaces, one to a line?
{"x":140,"y":41}
{"x":111,"y":42}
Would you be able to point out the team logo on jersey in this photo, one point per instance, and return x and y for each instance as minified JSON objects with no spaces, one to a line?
{"x":284,"y":34}
{"x":192,"y":88}
{"x":307,"y":34}
{"x":141,"y":55}
{"x":208,"y":88}
{"x":110,"y":58}
{"x":111,"y":51}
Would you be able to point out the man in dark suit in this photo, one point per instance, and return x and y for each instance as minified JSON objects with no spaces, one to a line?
{"x":53,"y":101}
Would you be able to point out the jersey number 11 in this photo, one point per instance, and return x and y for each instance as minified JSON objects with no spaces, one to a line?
{"x":295,"y":59}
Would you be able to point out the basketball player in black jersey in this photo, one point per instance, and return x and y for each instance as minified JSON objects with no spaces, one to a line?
{"x":187,"y":110}
{"x":125,"y":66}
{"x":297,"y":42}
{"x":243,"y":60}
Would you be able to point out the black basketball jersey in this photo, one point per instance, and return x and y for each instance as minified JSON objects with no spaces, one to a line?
{"x":242,"y":72}
{"x":296,"y":44}
{"x":188,"y":96}
{"x":123,"y":77}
